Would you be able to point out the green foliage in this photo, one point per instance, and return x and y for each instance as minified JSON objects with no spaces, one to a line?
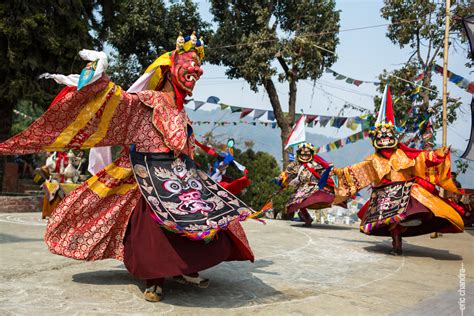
{"x":25,"y":114}
{"x":250,"y":29}
{"x":402,"y":93}
{"x":141,"y":30}
{"x":45,"y":36}
{"x":280,"y":200}
{"x":424,"y":34}
{"x":38,"y":37}
{"x":461,"y":165}
{"x":258,"y":40}
{"x":427,"y":21}
{"x":262,"y":167}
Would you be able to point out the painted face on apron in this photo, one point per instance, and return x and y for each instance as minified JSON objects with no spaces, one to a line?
{"x":187,"y":187}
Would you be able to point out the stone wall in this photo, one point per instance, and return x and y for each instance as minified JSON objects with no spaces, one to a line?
{"x":10,"y":177}
{"x":21,"y":203}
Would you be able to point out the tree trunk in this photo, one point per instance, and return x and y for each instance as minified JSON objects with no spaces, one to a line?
{"x":426,"y":93}
{"x":280,"y":117}
{"x":292,"y":98}
{"x":6,"y":121}
{"x":285,"y":132}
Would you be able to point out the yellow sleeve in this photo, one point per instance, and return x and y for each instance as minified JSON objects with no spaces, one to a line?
{"x":350,"y":180}
{"x":435,"y":167}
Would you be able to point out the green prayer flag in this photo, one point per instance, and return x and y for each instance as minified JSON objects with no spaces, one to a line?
{"x":235,"y":109}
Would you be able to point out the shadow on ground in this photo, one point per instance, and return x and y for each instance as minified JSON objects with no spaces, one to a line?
{"x":415,"y":251}
{"x":106,"y":277}
{"x":409,"y":250}
{"x":233,"y":284}
{"x":323,"y":226}
{"x":6,"y":238}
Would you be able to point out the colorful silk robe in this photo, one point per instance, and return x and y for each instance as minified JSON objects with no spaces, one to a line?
{"x":90,"y":222}
{"x":107,"y":116}
{"x":305,"y":182}
{"x":426,"y":168}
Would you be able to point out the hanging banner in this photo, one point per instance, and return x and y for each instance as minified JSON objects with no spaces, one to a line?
{"x":269,"y":115}
{"x":213,"y":99}
{"x":324,"y":120}
{"x":349,"y":80}
{"x":469,"y":153}
{"x":235,"y":109}
{"x":310,"y":119}
{"x":343,"y":141}
{"x":198,"y":104}
{"x":461,"y":82}
{"x":258,"y":114}
{"x":245,"y":112}
{"x":223,"y":106}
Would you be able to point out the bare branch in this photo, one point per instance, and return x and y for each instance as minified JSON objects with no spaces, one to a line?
{"x":418,"y":51}
{"x":430,"y":44}
{"x":431,"y":39}
{"x":282,"y":62}
{"x":409,"y":59}
{"x":434,"y":56}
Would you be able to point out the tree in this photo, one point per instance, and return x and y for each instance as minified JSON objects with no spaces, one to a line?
{"x":45,"y":36}
{"x":141,"y":30}
{"x":262,"y":167}
{"x":25,"y":113}
{"x":424,"y":34}
{"x":37,"y":37}
{"x":247,"y":42}
{"x":410,"y":106}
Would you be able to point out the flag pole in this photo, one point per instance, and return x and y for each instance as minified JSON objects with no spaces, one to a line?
{"x":445,"y":87}
{"x":445,"y":73}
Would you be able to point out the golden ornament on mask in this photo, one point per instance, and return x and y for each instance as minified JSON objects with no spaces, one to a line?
{"x":163,"y":62}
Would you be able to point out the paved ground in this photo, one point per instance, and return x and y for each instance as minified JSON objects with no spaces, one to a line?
{"x":324,"y":270}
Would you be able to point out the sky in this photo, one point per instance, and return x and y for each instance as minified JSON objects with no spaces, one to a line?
{"x":363,"y":55}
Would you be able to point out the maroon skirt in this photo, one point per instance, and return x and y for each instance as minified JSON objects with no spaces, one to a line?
{"x":151,"y":252}
{"x":318,"y":200}
{"x":428,"y":223}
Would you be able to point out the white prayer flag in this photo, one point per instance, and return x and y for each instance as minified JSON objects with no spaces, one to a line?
{"x":298,"y":133}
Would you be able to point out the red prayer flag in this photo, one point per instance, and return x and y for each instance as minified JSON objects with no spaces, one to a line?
{"x":245,"y":112}
{"x":310,"y":118}
{"x":470,"y":88}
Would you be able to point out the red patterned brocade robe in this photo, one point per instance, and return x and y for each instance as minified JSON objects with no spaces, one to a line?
{"x":91,"y":222}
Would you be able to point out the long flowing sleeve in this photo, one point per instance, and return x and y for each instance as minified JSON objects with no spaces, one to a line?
{"x":102,"y":114}
{"x":350,"y":180}
{"x":63,"y":125}
{"x":435,"y":166}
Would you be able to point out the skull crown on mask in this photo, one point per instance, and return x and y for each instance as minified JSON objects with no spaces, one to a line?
{"x":305,"y":152}
{"x":384,"y":137}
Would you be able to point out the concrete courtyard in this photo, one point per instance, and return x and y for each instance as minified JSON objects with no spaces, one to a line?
{"x":323,"y":270}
